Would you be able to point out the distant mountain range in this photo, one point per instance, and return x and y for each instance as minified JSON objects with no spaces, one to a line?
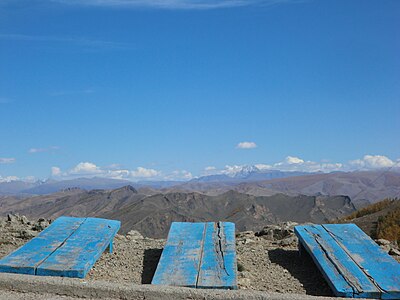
{"x":152,"y":215}
{"x":53,"y":186}
{"x":248,"y":174}
{"x":362,"y":187}
{"x":244,"y":174}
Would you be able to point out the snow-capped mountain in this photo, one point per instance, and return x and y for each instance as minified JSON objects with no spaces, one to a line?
{"x":246,"y":173}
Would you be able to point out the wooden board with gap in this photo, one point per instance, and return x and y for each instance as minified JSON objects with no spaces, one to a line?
{"x":351,"y":262}
{"x":199,"y":255}
{"x":68,"y":247}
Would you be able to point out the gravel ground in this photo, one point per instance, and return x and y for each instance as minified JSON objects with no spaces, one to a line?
{"x":7,"y":295}
{"x":264,"y":266}
{"x":267,"y":262}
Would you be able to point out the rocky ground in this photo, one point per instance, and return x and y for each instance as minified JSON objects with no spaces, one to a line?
{"x":267,"y":260}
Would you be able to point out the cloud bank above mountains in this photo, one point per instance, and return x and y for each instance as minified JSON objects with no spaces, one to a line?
{"x":289,"y":164}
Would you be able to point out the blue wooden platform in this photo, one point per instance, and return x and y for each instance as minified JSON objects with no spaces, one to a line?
{"x":69,"y":247}
{"x":351,"y":262}
{"x":199,"y":255}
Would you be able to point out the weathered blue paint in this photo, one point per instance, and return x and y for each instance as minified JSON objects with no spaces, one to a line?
{"x":218,"y":263}
{"x":353,"y":265}
{"x":349,"y":278}
{"x":180,"y":259}
{"x":199,"y":255}
{"x":25,"y":259}
{"x":81,"y":250}
{"x":375,"y":262}
{"x":68,"y":247}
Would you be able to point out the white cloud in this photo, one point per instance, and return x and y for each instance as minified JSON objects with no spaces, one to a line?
{"x":39,"y":150}
{"x":55,"y":171}
{"x":174,"y":4}
{"x":369,"y":162}
{"x":85,"y":168}
{"x":210,"y":168}
{"x":30,"y":179}
{"x":293,"y":160}
{"x":141,"y":172}
{"x":7,"y":160}
{"x":293,"y":163}
{"x":246,"y":145}
{"x":118,"y":174}
{"x":289,"y":164}
{"x":263,"y":167}
{"x":179,"y":175}
{"x":114,"y":171}
{"x":114,"y":167}
{"x":230,"y":170}
{"x":8,"y":178}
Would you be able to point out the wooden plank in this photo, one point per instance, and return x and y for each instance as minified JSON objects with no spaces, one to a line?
{"x":218,"y":264}
{"x":180,"y":260}
{"x":346,"y":270}
{"x":332,"y":275}
{"x":81,"y":250}
{"x":25,"y":259}
{"x":377,"y":264}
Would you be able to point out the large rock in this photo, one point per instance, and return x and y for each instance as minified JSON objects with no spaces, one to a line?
{"x":394,"y":251}
{"x":17,"y":219}
{"x":277,"y":232}
{"x":41,"y":224}
{"x":134,"y":235}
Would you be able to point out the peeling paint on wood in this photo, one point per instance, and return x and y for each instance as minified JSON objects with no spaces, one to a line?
{"x":68,"y":247}
{"x":200,"y":255}
{"x":353,"y":264}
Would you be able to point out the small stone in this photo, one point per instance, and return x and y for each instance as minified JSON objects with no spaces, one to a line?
{"x":120,"y":237}
{"x":12,"y":218}
{"x":394,"y":251}
{"x":40,"y":225}
{"x":134,"y":235}
{"x":24,"y":220}
{"x":385,"y":248}
{"x":245,"y":234}
{"x":382,"y":242}
{"x":290,"y":241}
{"x":248,"y":241}
{"x":27,"y":234}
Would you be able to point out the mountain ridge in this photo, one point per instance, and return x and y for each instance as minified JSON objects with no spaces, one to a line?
{"x":153,"y":214}
{"x":363,"y":187}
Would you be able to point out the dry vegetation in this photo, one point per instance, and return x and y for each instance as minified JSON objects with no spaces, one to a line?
{"x":370,"y":209}
{"x":389,"y":226}
{"x":387,"y":222}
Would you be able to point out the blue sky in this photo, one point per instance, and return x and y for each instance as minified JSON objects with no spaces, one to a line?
{"x":149,"y":89}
